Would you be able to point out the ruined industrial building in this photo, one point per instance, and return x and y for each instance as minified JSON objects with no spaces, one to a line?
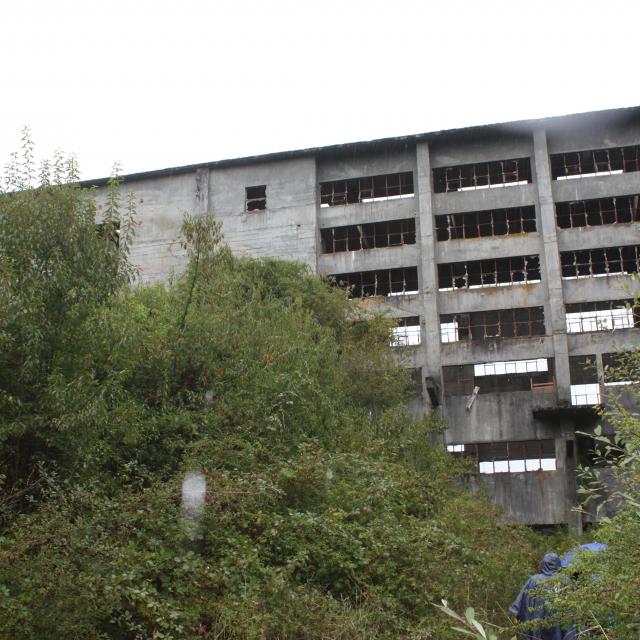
{"x":505,"y":251}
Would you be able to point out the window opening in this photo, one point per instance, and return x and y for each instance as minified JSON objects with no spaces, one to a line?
{"x":498,"y":377}
{"x":373,"y":235}
{"x":592,"y":213}
{"x":620,"y":368}
{"x":482,"y":175}
{"x":391,"y":186}
{"x":605,"y":315}
{"x":585,"y":389}
{"x":595,"y":162}
{"x":509,"y":457}
{"x":591,"y":263}
{"x":382,"y":282}
{"x":407,"y":333}
{"x":500,"y":323}
{"x":498,"y":272}
{"x":110,"y":230}
{"x":482,"y":224}
{"x":256,"y":198}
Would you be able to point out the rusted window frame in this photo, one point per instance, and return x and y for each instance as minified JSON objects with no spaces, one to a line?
{"x":255,"y":200}
{"x":598,"y":212}
{"x":607,"y":261}
{"x":372,"y":235}
{"x":388,"y":186}
{"x":379,"y":282}
{"x":509,"y":456}
{"x":482,"y":175}
{"x":485,"y":224}
{"x":493,"y":324}
{"x":491,"y":272}
{"x":595,"y":162}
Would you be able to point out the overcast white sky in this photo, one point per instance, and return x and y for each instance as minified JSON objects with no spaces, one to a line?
{"x":163,"y":83}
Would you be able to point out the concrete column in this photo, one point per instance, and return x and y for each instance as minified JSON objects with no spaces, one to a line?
{"x":554,"y":310}
{"x":202,"y":191}
{"x":427,"y":267}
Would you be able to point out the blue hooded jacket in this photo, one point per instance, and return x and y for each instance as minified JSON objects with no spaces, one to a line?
{"x":531,"y":604}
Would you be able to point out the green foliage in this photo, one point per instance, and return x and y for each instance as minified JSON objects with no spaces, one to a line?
{"x":328,"y":512}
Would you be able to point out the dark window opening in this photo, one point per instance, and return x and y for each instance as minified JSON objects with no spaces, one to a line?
{"x":256,"y":198}
{"x":584,"y":164}
{"x":382,"y":282}
{"x":524,"y":322}
{"x":482,"y":175}
{"x":593,"y":213}
{"x":488,"y":273}
{"x":483,"y":224}
{"x":509,"y":457}
{"x":604,"y":315}
{"x":600,"y":262}
{"x":370,"y":189}
{"x":583,"y":374}
{"x":374,"y":235}
{"x":499,"y":377}
{"x":620,"y":368}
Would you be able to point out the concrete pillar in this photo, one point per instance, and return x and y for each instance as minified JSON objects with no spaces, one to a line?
{"x":427,"y":267}
{"x":202,"y":191}
{"x":554,"y":310}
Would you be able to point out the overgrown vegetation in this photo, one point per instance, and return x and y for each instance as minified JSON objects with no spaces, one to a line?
{"x":328,"y":513}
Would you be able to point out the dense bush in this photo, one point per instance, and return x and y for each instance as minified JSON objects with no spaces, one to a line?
{"x":328,"y":514}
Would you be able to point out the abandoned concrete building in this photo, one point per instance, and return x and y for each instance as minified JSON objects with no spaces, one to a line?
{"x":505,"y":252}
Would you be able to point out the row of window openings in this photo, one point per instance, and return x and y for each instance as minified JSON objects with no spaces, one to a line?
{"x":509,"y":457}
{"x":374,"y":235}
{"x":477,"y":224}
{"x":496,"y":377}
{"x":481,"y":175}
{"x":489,"y":273}
{"x":515,"y":220}
{"x":526,"y":322}
{"x":590,"y":263}
{"x":381,"y":282}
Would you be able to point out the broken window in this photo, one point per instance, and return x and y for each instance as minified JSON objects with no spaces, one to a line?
{"x":498,"y":377}
{"x":488,"y":273}
{"x":370,"y":189}
{"x":596,"y":162}
{"x":382,"y":282}
{"x":509,"y":457}
{"x":599,"y":262}
{"x":255,"y":198}
{"x":482,"y":175}
{"x":605,"y":315}
{"x":585,"y":389}
{"x":482,"y":224}
{"x":500,"y":323}
{"x":407,"y":333}
{"x":374,"y":235}
{"x":592,"y":213}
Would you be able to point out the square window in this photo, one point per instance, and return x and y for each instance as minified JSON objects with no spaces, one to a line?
{"x":256,"y":198}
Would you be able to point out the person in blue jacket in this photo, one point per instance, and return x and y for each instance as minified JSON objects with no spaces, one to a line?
{"x":532,"y":604}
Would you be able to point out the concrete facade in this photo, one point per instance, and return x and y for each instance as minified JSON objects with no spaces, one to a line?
{"x":291,"y":227}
